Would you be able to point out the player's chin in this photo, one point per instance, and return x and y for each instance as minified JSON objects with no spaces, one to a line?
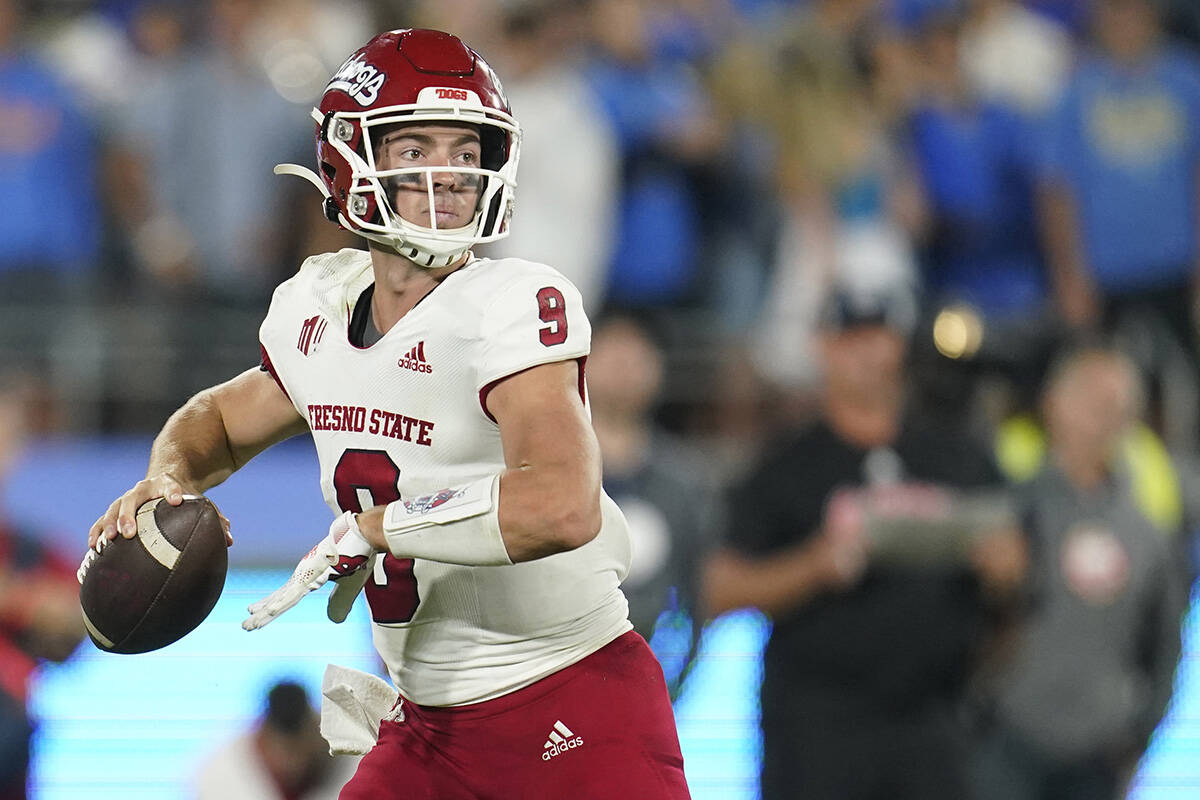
{"x":450,"y":220}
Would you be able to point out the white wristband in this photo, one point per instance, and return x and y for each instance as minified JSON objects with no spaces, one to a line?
{"x":459,"y":525}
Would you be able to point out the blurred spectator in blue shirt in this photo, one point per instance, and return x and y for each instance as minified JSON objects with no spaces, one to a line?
{"x":974,"y":159}
{"x":1125,"y":144}
{"x":50,"y":225}
{"x":664,"y":128}
{"x":1121,"y":178}
{"x":980,"y":262}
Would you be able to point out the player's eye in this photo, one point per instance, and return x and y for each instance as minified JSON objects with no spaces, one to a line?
{"x":468,"y":157}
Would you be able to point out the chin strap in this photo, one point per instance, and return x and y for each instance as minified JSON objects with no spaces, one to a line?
{"x":426,"y":254}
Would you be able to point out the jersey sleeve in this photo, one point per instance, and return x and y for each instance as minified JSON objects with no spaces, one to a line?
{"x":274,"y":337}
{"x":539,"y":319}
{"x":266,"y":366}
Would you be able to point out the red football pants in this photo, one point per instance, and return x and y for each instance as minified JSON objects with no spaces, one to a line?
{"x":601,"y":729}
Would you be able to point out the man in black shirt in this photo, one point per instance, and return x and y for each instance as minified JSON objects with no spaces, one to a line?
{"x":875,"y":624}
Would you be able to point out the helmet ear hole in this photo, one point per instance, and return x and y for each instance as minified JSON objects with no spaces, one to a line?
{"x":329,"y":174}
{"x":331,"y":209}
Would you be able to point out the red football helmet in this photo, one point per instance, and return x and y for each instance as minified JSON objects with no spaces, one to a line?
{"x":407,"y":76}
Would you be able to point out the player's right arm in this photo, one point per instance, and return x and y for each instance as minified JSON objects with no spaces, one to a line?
{"x":214,"y":434}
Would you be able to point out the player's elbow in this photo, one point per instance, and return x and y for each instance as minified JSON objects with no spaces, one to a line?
{"x":541,"y":517}
{"x":577,"y":523}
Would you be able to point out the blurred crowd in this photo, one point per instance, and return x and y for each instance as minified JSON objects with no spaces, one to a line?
{"x":1025,"y":169}
{"x":957,"y":242}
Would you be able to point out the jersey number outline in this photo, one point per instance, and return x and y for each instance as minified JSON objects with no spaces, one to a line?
{"x":552,"y":308}
{"x":396,"y":599}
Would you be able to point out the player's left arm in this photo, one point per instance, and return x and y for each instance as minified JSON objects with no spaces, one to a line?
{"x":549,"y":497}
{"x":550,"y":489}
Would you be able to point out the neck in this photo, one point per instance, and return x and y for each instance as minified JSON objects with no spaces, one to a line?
{"x":865,"y":424}
{"x":400,"y":285}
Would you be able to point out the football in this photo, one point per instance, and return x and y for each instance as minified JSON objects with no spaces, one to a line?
{"x":146,"y":592}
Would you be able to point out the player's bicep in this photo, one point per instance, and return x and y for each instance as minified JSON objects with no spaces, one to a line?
{"x":550,"y":492}
{"x":255,"y":413}
{"x":541,"y":416}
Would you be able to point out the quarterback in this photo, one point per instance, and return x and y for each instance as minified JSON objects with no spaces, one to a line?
{"x":445,"y":394}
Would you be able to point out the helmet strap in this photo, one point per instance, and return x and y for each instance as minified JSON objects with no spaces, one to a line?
{"x":428,"y":255}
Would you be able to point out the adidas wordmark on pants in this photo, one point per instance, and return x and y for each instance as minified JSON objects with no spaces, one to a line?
{"x":561,"y":740}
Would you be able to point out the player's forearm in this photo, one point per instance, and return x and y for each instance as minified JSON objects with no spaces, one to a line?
{"x":533,"y":514}
{"x":221,"y":428}
{"x":193,"y":446}
{"x":544,"y":511}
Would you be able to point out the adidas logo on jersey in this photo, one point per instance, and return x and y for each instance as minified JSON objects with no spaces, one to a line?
{"x":561,"y":740}
{"x":415,"y":359}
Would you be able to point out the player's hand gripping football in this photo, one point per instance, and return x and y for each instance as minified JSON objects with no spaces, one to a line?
{"x":121,"y":516}
{"x":344,"y":555}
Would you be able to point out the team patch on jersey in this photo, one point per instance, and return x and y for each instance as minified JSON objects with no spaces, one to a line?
{"x":311,"y":331}
{"x":423,"y":505}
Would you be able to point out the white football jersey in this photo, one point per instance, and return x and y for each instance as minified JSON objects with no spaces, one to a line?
{"x":406,"y":417}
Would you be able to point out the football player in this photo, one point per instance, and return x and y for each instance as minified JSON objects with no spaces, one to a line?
{"x":445,"y":394}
